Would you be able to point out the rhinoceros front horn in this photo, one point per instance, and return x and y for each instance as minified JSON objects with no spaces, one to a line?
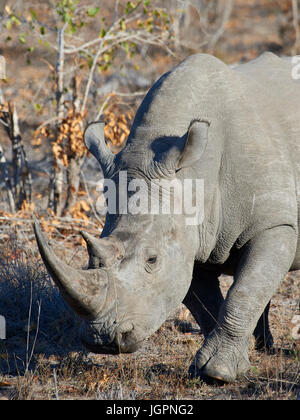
{"x":83,"y":290}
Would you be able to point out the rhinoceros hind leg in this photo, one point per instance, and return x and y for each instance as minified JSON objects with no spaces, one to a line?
{"x":204,"y":298}
{"x":263,"y":336}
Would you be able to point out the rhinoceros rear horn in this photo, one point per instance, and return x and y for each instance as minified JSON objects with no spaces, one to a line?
{"x":108,"y":249}
{"x":83,"y":290}
{"x":95,"y":142}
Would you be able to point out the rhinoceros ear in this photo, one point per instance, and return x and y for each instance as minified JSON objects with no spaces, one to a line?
{"x":195,"y":140}
{"x":95,"y":142}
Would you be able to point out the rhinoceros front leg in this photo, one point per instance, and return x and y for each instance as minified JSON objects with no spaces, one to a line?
{"x":204,"y":298}
{"x":264,"y":262}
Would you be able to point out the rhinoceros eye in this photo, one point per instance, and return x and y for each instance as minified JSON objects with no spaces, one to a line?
{"x":152,"y":260}
{"x":151,"y":264}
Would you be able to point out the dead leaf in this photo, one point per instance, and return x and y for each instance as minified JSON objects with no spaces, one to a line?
{"x":5,"y":384}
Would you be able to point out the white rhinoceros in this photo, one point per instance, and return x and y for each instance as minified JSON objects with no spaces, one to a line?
{"x":238,"y":130}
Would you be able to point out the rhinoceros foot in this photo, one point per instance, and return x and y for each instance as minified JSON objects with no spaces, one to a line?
{"x":220,"y":360}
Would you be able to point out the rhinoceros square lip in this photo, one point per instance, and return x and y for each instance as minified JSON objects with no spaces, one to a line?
{"x":113,"y":349}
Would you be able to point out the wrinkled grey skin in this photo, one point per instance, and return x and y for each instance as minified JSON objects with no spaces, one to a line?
{"x":239,"y":130}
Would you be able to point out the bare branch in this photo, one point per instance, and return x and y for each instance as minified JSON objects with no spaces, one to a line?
{"x":48,"y":122}
{"x":103,"y":106}
{"x":90,"y":78}
{"x":4,"y":123}
{"x":226,"y":15}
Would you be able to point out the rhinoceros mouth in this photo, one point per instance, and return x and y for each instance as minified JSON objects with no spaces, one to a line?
{"x":110,"y":338}
{"x":101,"y":349}
{"x":117,"y":346}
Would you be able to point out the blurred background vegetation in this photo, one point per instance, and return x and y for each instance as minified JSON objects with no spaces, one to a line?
{"x":71,"y":62}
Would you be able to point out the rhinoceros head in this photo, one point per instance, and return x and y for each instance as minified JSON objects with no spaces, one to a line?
{"x":141,"y":267}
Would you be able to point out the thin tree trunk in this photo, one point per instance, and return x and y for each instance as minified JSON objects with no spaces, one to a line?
{"x":28,"y":177}
{"x":73,"y":171}
{"x":17,"y":160}
{"x":73,"y":180}
{"x":21,"y":188}
{"x":56,"y":182}
{"x":10,"y":195}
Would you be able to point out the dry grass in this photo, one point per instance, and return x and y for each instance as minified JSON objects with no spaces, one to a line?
{"x":60,"y":369}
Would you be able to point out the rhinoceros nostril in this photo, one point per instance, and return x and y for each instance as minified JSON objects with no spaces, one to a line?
{"x":128,"y":342}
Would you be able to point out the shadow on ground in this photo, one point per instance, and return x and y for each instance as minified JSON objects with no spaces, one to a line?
{"x":37,"y":319}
